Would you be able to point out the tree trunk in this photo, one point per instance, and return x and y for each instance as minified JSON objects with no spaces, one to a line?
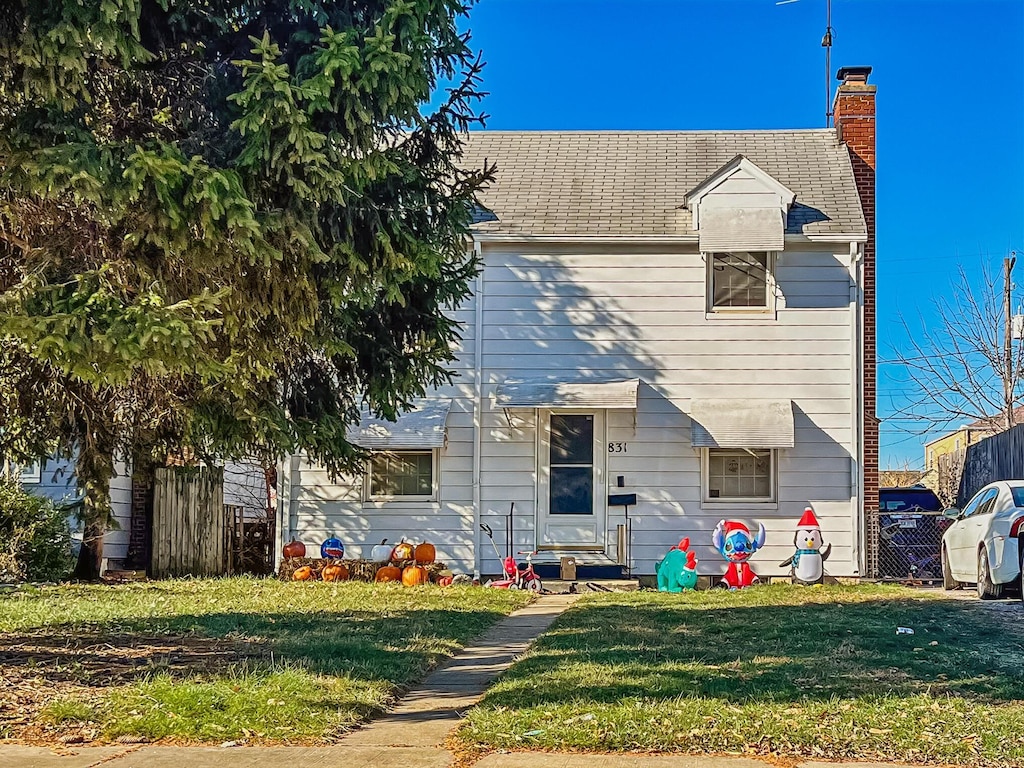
{"x":94,"y":468}
{"x":90,"y":556}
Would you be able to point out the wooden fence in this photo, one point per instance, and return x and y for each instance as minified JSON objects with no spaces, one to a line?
{"x":192,"y":529}
{"x":1000,"y":457}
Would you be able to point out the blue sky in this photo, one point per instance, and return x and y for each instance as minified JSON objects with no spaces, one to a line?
{"x":950,"y":78}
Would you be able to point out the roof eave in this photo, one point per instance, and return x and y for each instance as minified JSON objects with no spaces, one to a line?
{"x":512,"y":237}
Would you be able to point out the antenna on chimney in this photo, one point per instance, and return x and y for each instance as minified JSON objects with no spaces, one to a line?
{"x":826,"y":43}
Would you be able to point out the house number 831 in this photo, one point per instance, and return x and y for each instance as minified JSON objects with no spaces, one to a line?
{"x":616,"y":447}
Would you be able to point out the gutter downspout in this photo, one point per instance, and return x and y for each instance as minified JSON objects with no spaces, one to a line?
{"x":857,"y":412}
{"x":284,"y":508}
{"x":478,"y":401}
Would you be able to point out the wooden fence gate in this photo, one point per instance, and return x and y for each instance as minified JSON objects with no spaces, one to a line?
{"x":192,"y":529}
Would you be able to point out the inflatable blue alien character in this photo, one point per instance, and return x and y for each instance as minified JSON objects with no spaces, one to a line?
{"x":735,"y":543}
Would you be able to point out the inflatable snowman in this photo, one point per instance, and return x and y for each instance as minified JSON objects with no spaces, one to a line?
{"x":807,"y":563}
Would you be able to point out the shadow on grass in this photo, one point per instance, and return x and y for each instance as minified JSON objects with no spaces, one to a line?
{"x":208,"y":660}
{"x":394,"y":647}
{"x":655,"y":649}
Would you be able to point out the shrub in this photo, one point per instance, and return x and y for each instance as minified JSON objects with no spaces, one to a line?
{"x":35,"y":539}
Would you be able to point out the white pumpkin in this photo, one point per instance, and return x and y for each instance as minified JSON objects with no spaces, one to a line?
{"x":381,"y":553}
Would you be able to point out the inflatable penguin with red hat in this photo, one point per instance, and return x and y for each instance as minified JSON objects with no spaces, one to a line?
{"x":807,"y":565}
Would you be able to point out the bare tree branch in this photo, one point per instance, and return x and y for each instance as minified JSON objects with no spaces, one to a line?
{"x":956,"y":367}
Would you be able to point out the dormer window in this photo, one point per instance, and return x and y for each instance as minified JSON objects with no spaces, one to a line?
{"x":739,"y":213}
{"x":739,"y":280}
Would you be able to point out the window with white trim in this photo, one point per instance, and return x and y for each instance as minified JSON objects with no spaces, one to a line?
{"x":407,"y":475}
{"x":731,"y":474}
{"x":740,"y":280}
{"x":31,"y":474}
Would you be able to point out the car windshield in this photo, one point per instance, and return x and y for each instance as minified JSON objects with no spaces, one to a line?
{"x":1018,"y":495}
{"x":908,"y":499}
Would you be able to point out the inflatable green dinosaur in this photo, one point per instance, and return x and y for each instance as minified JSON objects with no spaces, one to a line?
{"x":678,"y":570}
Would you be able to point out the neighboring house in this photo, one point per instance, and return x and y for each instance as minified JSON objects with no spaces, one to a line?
{"x":899,"y":478}
{"x":127,"y":544}
{"x":55,"y":479}
{"x":952,"y":442}
{"x":245,"y":486}
{"x":968,"y":434}
{"x":687,"y":316}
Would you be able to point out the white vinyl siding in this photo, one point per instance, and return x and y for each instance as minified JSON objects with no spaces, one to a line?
{"x":605,"y":312}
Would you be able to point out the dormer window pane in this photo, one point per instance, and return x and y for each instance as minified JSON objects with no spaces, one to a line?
{"x":739,"y":279}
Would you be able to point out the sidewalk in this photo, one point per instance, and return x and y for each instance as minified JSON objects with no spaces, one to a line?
{"x":346,"y":756}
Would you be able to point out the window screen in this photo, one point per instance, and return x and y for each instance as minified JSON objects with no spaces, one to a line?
{"x":739,"y":279}
{"x":739,"y":474}
{"x":406,"y":473}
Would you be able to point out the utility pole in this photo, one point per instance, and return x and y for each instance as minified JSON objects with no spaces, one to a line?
{"x":1008,"y":372}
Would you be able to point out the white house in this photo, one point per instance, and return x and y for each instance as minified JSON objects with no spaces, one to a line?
{"x":683,"y":316}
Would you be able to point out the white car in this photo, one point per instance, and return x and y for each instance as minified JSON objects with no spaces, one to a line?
{"x":983,"y":543}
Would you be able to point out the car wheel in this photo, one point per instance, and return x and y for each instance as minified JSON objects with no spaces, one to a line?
{"x":986,"y":589}
{"x":948,"y":582}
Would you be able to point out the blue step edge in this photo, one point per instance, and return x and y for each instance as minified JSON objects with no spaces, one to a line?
{"x":583,"y":572}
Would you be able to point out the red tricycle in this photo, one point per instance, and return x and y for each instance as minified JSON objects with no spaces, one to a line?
{"x":517,"y":575}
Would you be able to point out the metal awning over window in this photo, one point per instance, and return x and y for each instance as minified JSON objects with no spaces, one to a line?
{"x":420,"y":428}
{"x":615,"y":393}
{"x":742,"y":423}
{"x":741,"y":229}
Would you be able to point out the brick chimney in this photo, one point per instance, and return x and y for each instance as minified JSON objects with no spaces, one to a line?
{"x":854,"y":114}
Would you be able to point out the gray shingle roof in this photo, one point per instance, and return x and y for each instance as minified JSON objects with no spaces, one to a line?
{"x":633,"y":182}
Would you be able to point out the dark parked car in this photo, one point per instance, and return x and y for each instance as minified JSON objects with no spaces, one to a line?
{"x":911,"y":527}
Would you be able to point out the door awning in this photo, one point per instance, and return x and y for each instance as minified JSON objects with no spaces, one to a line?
{"x":742,"y":423}
{"x":741,"y":229}
{"x":609,"y":393}
{"x":420,"y":428}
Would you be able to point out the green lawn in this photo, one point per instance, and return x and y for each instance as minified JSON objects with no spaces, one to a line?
{"x":782,"y":670}
{"x":226,"y":659}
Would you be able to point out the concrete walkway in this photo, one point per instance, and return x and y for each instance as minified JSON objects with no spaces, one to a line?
{"x":428,"y":713}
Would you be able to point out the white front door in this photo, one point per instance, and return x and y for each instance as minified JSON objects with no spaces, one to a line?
{"x":572,"y":493}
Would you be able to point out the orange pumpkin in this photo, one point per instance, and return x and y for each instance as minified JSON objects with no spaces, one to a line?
{"x":388,"y":573}
{"x":425,"y":553}
{"x":403,"y":551}
{"x":415,"y":575}
{"x":334,"y":573}
{"x":294,"y":549}
{"x":305,"y":573}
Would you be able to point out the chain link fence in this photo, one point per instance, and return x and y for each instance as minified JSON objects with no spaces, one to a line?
{"x":909,"y":546}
